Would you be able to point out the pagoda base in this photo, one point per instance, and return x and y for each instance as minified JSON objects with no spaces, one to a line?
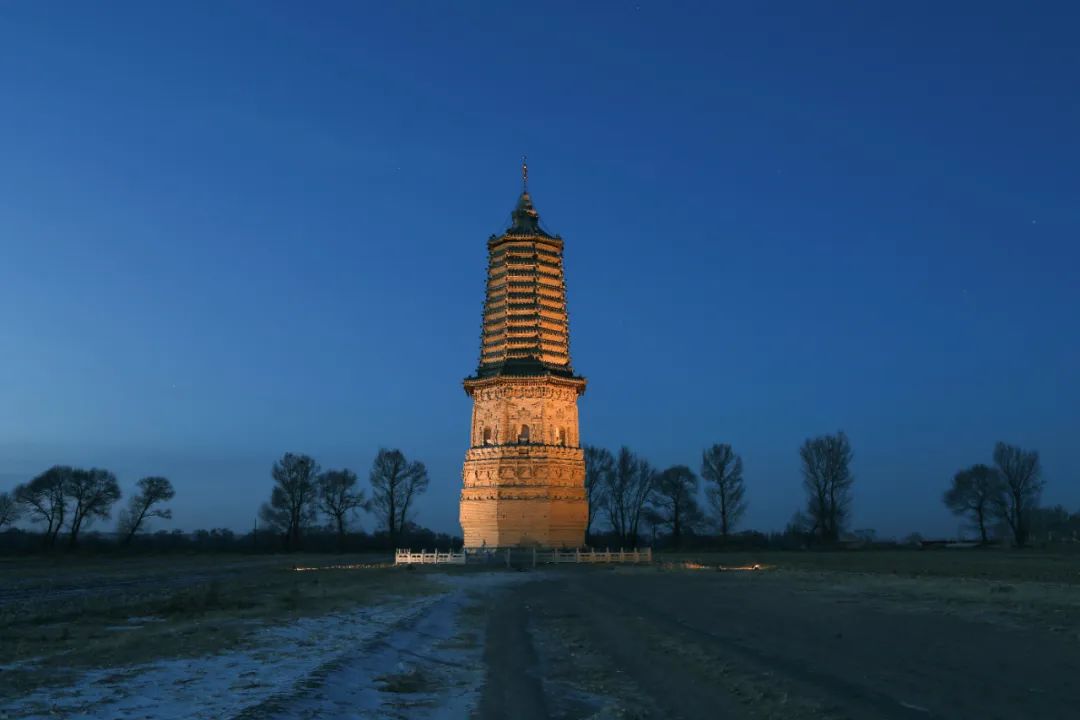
{"x":515,"y":523}
{"x":524,"y":496}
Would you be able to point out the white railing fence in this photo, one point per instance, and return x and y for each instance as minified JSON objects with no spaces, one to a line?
{"x":593,"y":556}
{"x":408,"y":557}
{"x":436,"y":557}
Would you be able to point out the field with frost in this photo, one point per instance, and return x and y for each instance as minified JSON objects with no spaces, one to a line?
{"x":238,"y":637}
{"x":799,"y":636}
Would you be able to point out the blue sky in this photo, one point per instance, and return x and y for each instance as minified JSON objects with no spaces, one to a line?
{"x":229,"y":231}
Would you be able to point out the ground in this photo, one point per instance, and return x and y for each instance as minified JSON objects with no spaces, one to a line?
{"x":932,"y":634}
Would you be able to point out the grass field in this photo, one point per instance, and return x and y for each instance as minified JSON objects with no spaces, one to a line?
{"x":61,"y":616}
{"x":1060,"y":566}
{"x":83,"y":636}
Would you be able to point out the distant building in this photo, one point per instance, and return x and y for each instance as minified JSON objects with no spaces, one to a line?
{"x":524,"y":473}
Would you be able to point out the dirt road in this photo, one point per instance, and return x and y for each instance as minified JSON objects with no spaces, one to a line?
{"x":645,"y":644}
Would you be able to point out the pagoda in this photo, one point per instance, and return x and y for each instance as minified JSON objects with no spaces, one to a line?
{"x":524,"y":474}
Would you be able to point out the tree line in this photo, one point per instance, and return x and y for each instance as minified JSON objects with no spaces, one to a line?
{"x":68,"y":500}
{"x":65,"y":501}
{"x":625,"y":490}
{"x":302,"y":492}
{"x":626,"y":494}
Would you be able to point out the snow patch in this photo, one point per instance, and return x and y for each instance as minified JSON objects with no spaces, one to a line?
{"x":401,"y":658}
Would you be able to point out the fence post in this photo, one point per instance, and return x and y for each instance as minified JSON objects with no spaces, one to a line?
{"x":507,"y":557}
{"x":534,"y":557}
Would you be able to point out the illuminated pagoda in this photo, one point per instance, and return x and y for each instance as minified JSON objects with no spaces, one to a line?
{"x":524,"y":474}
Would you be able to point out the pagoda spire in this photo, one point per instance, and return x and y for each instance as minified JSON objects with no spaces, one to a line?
{"x":524,"y":218}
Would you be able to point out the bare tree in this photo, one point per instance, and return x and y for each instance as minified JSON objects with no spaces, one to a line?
{"x":339,"y":499}
{"x":152,"y":491}
{"x":599,"y":464}
{"x":395,"y":482}
{"x":10,"y":510}
{"x":92,"y":493}
{"x":976,"y":493}
{"x":1021,"y":475}
{"x":45,"y":500}
{"x":628,"y":488}
{"x":292,"y":501}
{"x":827,"y":479}
{"x":674,"y":502}
{"x":722,"y":469}
{"x":644,"y":481}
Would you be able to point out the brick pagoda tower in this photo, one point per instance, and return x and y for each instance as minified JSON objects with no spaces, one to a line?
{"x":524,"y":474}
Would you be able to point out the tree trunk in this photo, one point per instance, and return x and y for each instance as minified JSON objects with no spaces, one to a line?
{"x":73,"y":537}
{"x":404,"y":511}
{"x":1021,"y":522}
{"x":723,"y":514}
{"x":392,"y":520}
{"x":135,"y":526}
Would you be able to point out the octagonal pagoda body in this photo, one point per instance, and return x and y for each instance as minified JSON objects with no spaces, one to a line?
{"x":524,"y":473}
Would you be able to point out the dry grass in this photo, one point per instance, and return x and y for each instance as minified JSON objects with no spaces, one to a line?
{"x":1016,"y":588}
{"x":122,"y":618}
{"x":989,"y":564}
{"x":1025,"y":604}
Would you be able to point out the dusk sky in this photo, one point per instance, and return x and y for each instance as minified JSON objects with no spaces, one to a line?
{"x":231,"y":230}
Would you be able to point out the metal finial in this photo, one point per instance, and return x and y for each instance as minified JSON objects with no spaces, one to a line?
{"x":524,"y":174}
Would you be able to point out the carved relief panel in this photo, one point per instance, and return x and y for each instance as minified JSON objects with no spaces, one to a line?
{"x":529,"y":413}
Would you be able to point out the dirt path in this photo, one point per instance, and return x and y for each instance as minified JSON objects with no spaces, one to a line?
{"x":715,"y":645}
{"x":512,"y":687}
